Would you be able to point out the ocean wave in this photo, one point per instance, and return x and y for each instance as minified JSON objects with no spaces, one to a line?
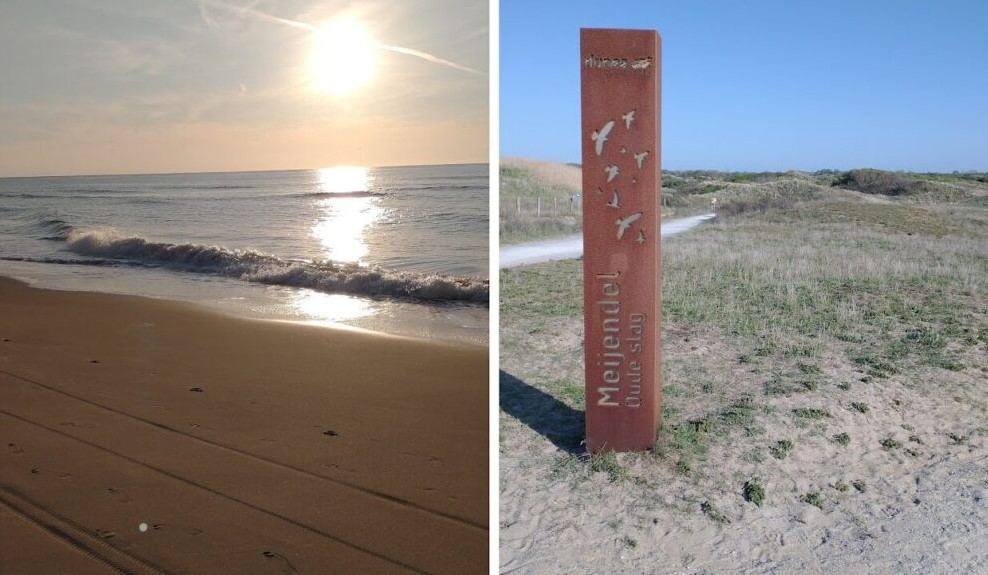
{"x":256,"y":267}
{"x":129,"y":196}
{"x":478,"y":187}
{"x":97,"y":262}
{"x":57,"y":228}
{"x":214,"y":187}
{"x":353,"y":194}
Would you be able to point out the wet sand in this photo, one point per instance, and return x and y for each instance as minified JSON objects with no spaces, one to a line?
{"x":150,"y":436}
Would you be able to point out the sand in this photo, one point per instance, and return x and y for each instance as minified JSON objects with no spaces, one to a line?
{"x":148,"y":436}
{"x":919,"y":513}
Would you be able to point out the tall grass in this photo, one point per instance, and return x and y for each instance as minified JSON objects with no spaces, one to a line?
{"x":539,"y":199}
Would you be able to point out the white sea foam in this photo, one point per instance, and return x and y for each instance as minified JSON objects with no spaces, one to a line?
{"x":253,"y":266}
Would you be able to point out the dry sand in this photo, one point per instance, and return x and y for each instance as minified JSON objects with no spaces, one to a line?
{"x":918,"y":514}
{"x":147,"y":436}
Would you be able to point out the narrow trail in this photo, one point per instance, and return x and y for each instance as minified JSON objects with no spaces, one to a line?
{"x":571,"y":247}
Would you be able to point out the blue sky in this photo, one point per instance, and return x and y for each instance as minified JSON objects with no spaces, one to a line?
{"x":767,"y":85}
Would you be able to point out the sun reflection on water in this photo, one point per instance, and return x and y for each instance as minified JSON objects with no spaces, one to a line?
{"x":332,"y":307}
{"x":345,"y":209}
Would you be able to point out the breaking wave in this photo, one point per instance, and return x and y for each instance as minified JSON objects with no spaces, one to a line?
{"x":256,"y":267}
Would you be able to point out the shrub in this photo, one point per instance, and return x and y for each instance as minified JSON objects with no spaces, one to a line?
{"x":871,"y":181}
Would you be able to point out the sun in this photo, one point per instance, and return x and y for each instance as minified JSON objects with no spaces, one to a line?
{"x":343,"y":56}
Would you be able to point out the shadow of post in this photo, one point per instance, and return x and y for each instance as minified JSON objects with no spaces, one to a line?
{"x":556,"y":421}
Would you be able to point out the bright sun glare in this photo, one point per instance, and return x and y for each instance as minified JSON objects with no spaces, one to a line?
{"x":343,"y":56}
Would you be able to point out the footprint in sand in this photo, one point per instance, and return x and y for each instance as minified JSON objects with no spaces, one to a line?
{"x":179,"y":528}
{"x":286,"y":566}
{"x":105,"y":534}
{"x":330,"y":433}
{"x":119,"y":494}
{"x":15,"y":449}
{"x":94,"y":361}
{"x":58,"y":474}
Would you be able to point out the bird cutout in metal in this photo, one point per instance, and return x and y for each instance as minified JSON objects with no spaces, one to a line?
{"x":612,"y":172}
{"x":624,"y":223}
{"x":624,"y":150}
{"x":640,"y":158}
{"x":615,"y":202}
{"x":628,"y":118}
{"x":641,"y":237}
{"x":641,"y":64}
{"x":601,"y":136}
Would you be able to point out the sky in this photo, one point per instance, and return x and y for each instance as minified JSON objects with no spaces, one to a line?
{"x":148,"y":86}
{"x":767,"y":85}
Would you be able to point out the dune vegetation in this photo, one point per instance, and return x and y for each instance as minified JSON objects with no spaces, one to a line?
{"x":825,"y":345}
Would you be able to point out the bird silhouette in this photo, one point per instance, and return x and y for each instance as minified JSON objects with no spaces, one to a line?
{"x":628,"y":118}
{"x":624,"y":223}
{"x":601,"y":136}
{"x":612,"y":172}
{"x":615,"y":203}
{"x":640,"y":158}
{"x":641,"y":237}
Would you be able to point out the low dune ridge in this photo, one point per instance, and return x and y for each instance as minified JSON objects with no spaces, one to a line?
{"x":549,"y":173}
{"x":154,"y":437}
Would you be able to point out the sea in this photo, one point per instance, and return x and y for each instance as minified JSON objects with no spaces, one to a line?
{"x":397,"y":250}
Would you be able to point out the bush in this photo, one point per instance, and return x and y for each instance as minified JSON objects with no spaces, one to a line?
{"x":871,"y":181}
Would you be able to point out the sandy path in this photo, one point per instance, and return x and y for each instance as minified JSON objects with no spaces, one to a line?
{"x":571,"y":247}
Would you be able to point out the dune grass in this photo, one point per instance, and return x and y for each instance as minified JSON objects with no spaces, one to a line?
{"x":538,"y":200}
{"x":798,"y":291}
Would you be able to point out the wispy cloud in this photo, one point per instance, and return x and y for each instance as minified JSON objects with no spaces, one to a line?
{"x":250,"y":11}
{"x":430,"y":58}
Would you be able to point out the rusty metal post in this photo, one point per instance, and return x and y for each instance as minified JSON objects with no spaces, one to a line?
{"x":620,"y":88}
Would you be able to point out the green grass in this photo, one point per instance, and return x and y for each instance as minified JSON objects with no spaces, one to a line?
{"x":687,"y":442}
{"x":811,"y":413}
{"x":890,"y":443}
{"x":607,"y":463}
{"x":713,"y":513}
{"x":841,"y":439}
{"x":813,"y":498}
{"x":754,"y":492}
{"x":781,"y":449}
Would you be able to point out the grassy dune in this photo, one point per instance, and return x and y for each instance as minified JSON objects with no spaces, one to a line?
{"x":527,"y":185}
{"x":538,"y":200}
{"x":821,"y":345}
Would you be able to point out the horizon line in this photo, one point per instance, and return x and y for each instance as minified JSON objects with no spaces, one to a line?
{"x":92,"y":175}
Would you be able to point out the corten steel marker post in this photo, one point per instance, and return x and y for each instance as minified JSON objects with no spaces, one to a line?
{"x":620,"y":87}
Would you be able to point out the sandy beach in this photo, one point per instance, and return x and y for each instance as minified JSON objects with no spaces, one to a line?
{"x":148,"y":436}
